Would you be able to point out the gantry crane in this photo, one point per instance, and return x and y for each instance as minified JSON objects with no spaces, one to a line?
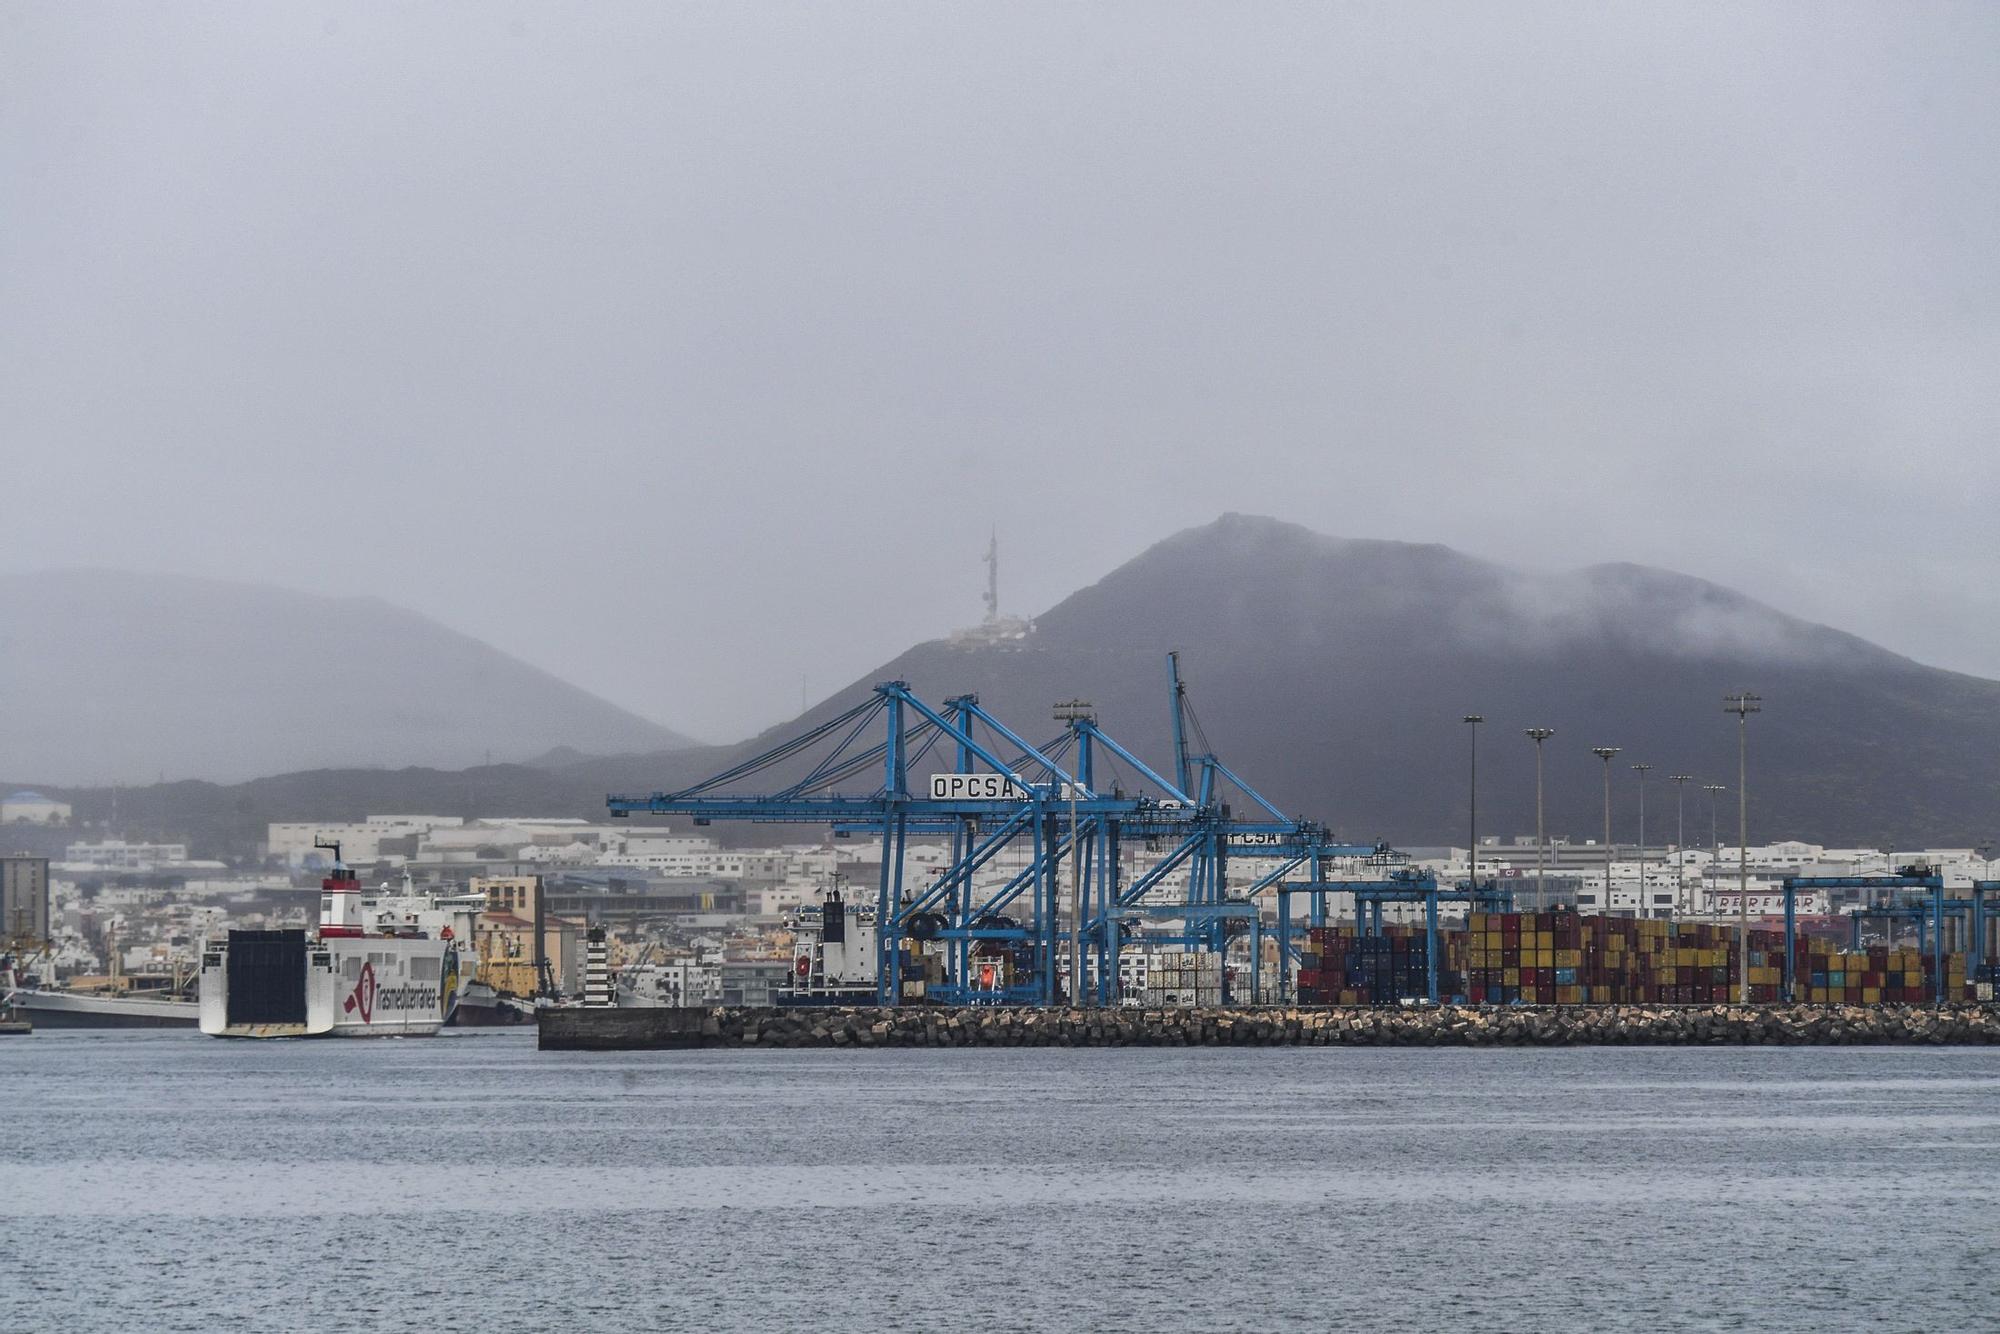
{"x":988,"y":789}
{"x":1916,"y":895}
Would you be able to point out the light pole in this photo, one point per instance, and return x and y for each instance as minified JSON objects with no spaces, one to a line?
{"x":1680,"y":782}
{"x":1539,"y":735}
{"x":1605,"y":753}
{"x":1072,"y":712}
{"x":1472,"y":820}
{"x":1743,"y":704}
{"x":1639,"y":909}
{"x":1985,"y":851}
{"x":1714,"y":840}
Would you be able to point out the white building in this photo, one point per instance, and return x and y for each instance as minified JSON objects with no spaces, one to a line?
{"x":547,"y":840}
{"x":661,"y":842}
{"x":360,"y":840}
{"x":713,"y":864}
{"x":676,"y":982}
{"x":115,"y":854}
{"x":777,"y":900}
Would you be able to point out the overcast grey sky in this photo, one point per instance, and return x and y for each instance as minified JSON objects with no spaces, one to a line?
{"x":688,"y":350}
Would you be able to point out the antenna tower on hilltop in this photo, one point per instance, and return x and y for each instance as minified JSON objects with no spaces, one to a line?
{"x":993,"y":628}
{"x":993,"y":577}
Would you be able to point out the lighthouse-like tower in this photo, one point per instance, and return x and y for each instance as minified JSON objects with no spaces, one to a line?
{"x":339,"y":897}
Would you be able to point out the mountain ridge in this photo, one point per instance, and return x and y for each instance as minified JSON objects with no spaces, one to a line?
{"x":128,"y":674}
{"x":1333,"y":673}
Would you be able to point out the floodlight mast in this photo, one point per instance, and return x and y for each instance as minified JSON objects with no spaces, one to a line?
{"x":1641,"y":769}
{"x":1680,"y":782}
{"x":1538,"y":735}
{"x":1472,"y":820}
{"x":1605,"y":753}
{"x":1743,"y":704}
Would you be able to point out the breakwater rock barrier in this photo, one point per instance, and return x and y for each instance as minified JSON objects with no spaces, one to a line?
{"x":609,"y":1029}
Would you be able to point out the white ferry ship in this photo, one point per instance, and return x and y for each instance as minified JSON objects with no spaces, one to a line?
{"x":380,"y":963}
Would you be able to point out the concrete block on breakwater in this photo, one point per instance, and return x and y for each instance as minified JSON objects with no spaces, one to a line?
{"x":1505,"y":1026}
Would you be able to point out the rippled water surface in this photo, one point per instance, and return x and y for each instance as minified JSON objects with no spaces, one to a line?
{"x":170,"y":1181}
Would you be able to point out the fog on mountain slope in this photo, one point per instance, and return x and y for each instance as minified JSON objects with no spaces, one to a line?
{"x":111,"y":677}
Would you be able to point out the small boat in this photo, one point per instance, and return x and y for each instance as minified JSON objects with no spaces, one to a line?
{"x":382,"y":963}
{"x":483,"y":1007}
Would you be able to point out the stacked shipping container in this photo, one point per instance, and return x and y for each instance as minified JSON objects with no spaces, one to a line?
{"x":1184,"y":978}
{"x":1876,"y":975}
{"x":921,"y":972}
{"x":1342,"y":967}
{"x":1563,"y":958}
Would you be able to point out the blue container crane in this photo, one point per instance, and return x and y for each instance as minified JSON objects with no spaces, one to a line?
{"x":1399,"y":886}
{"x":1913,"y":895}
{"x":1005,"y":783}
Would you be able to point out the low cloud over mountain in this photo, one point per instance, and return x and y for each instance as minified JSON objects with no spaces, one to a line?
{"x":108,"y":676}
{"x":1334,"y":674}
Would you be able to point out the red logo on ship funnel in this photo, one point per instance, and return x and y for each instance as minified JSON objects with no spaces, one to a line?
{"x":363,"y":997}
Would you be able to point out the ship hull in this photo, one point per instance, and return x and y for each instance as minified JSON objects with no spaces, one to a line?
{"x":826,"y":997}
{"x":286,"y":984}
{"x":483,"y":1007}
{"x":56,"y":1009}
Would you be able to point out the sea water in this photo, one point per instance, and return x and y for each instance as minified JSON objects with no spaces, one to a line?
{"x":169,"y":1181}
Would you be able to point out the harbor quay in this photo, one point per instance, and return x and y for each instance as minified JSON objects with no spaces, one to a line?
{"x":621,"y":1029}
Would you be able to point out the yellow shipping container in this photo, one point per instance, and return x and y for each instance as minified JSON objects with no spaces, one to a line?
{"x":1871,"y":995}
{"x":1510,"y":977}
